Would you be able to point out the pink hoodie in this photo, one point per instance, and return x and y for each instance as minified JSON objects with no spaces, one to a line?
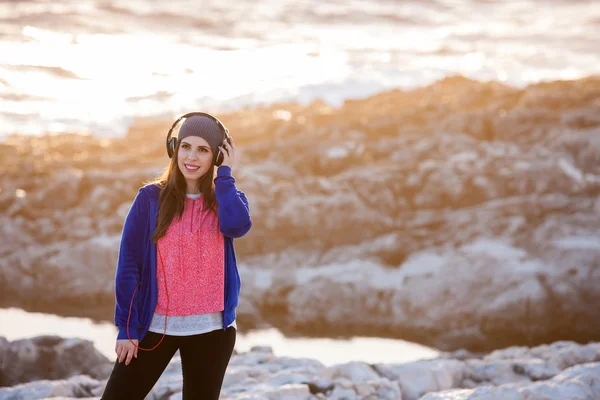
{"x":193,"y":252}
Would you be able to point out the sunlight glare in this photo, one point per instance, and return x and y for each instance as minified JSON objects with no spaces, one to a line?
{"x":46,"y":36}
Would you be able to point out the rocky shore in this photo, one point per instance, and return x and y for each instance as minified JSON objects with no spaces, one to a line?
{"x":463,"y":214}
{"x":51,"y":367}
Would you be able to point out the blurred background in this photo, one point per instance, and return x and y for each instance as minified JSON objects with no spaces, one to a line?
{"x":423,"y":176}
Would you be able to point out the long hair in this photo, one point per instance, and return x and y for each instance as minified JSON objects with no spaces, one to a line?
{"x":172,"y":196}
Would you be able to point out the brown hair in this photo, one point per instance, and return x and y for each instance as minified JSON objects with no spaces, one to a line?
{"x":172,"y":196}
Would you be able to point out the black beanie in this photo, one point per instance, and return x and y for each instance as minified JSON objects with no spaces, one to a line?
{"x":204,"y":127}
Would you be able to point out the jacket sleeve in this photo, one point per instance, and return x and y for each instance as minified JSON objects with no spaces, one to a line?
{"x":234,"y":212}
{"x":129,"y":265}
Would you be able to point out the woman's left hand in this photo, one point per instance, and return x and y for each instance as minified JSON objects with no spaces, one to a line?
{"x":230,"y":157}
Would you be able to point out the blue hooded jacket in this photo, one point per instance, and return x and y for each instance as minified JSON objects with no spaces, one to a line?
{"x":137,"y":254}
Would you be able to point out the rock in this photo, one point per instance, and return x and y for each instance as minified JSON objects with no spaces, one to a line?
{"x":80,"y":386}
{"x":61,"y":192}
{"x":576,"y":383}
{"x":123,"y":210}
{"x":518,"y":366}
{"x":57,"y":271}
{"x":320,"y":386}
{"x":98,"y":254}
{"x":262,"y":349}
{"x":286,"y":378}
{"x":418,"y":378}
{"x":13,"y":235}
{"x":379,"y":389}
{"x":343,"y":394}
{"x":560,"y":355}
{"x":474,"y":204}
{"x":512,"y":373}
{"x":289,"y":392}
{"x":49,"y":358}
{"x":354,"y":372}
{"x":260,"y":374}
{"x":430,"y":297}
{"x":77,"y":386}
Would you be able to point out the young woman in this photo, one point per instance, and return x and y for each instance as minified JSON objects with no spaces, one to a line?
{"x":177,"y":283}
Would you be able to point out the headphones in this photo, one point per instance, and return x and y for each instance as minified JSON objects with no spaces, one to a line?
{"x":172,"y":141}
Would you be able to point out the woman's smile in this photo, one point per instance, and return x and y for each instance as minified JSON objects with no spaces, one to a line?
{"x":191,"y":167}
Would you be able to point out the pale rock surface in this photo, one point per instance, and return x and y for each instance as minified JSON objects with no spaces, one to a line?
{"x":558,"y":371}
{"x":581,"y":382}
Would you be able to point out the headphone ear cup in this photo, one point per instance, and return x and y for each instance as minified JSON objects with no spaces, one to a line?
{"x":219,"y":159}
{"x":171,"y":147}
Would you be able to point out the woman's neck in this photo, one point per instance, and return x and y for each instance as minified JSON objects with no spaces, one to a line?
{"x":192,"y":188}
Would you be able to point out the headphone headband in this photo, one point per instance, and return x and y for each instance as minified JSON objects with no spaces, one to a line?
{"x":172,"y":142}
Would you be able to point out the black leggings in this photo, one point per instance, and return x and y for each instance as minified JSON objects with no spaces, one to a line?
{"x":204,"y":359}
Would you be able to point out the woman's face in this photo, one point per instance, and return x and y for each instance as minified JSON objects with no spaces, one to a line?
{"x":194,"y":158}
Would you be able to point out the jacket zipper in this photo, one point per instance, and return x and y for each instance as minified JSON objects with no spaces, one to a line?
{"x":225,"y":283}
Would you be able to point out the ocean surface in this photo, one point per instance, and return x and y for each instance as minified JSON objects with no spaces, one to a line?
{"x":94,"y":66}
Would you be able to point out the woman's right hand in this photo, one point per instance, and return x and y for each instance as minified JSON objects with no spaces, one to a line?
{"x":126,"y":350}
